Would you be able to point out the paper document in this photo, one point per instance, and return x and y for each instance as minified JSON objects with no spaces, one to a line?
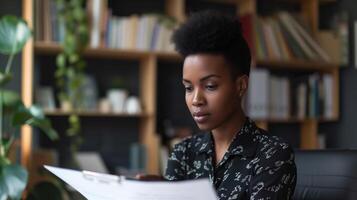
{"x":95,"y":186}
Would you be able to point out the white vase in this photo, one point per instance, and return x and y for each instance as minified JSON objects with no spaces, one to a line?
{"x":117,"y":98}
{"x":132,"y":105}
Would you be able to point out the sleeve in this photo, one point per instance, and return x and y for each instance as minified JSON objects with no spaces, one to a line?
{"x":176,"y":163}
{"x":275,"y":176}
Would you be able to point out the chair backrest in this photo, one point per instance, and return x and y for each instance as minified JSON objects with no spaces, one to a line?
{"x":326,"y":175}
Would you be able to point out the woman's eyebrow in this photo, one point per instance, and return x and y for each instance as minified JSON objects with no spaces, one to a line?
{"x":209,"y":76}
{"x":204,"y":78}
{"x":186,"y":81}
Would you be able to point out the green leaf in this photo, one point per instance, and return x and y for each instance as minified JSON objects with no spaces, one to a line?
{"x":13,"y":180}
{"x":11,"y":99}
{"x":61,"y":60}
{"x":73,"y":58}
{"x":7,"y":142}
{"x":4,"y":161}
{"x":79,"y":14}
{"x":14,"y":34}
{"x":21,"y":117}
{"x":35,"y":117}
{"x":4,"y":78}
{"x":45,"y":126}
{"x":36,"y":112}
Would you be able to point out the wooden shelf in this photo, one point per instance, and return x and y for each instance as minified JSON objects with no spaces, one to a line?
{"x":299,"y":1}
{"x":51,"y":48}
{"x":327,"y":1}
{"x":232,"y":2}
{"x":93,"y":114}
{"x":297,"y":65}
{"x":296,"y":120}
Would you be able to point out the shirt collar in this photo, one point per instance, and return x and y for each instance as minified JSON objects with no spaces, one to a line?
{"x":243,"y":143}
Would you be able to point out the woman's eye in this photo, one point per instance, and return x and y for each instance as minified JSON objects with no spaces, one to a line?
{"x":211,"y":87}
{"x":188,"y":88}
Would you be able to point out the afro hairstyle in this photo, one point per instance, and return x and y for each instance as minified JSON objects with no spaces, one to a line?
{"x":215,"y":33}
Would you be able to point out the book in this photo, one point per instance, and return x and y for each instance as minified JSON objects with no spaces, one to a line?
{"x":259,"y":41}
{"x":328,"y":96}
{"x":268,"y":38}
{"x":288,"y":23}
{"x":248,"y":31}
{"x":285,"y":51}
{"x":309,"y":40}
{"x":292,"y":43}
{"x":258,"y":94}
{"x":301,"y":100}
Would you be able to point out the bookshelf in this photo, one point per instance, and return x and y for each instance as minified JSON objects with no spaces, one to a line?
{"x":148,"y":62}
{"x":94,"y":113}
{"x":308,"y":125}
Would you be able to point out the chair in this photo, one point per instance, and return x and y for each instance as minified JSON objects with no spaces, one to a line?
{"x":326,"y":175}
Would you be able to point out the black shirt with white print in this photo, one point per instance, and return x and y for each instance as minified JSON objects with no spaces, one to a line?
{"x":255,"y":166}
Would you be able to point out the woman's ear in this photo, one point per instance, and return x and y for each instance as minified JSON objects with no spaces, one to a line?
{"x":242,"y":85}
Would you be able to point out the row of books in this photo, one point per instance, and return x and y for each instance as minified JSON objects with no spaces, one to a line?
{"x":285,"y":37}
{"x":49,"y":27}
{"x":276,"y":97}
{"x":146,"y":32}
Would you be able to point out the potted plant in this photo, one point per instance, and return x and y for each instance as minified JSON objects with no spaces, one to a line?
{"x":70,"y":72}
{"x":14,"y":34}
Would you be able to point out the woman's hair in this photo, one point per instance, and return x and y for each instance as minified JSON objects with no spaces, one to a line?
{"x":214,"y":33}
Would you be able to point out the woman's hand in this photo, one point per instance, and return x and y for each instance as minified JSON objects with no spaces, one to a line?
{"x":146,"y":177}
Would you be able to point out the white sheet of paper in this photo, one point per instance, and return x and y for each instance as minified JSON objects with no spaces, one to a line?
{"x":99,"y":189}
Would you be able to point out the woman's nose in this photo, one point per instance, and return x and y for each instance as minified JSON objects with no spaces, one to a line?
{"x":198,"y":98}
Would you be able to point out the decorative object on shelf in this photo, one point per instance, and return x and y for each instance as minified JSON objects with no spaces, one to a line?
{"x":117,"y":94}
{"x":45,"y":98}
{"x":104,"y":105}
{"x":70,"y":69}
{"x":14,"y":34}
{"x":132,"y":105}
{"x":117,"y":98}
{"x":90,"y":93}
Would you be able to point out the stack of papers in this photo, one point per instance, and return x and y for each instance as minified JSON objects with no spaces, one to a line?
{"x":96,"y":186}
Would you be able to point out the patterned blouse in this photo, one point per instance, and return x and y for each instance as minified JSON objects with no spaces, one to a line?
{"x":256,"y":166}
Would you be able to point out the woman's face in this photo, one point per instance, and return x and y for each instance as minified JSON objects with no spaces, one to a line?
{"x":212,"y":96}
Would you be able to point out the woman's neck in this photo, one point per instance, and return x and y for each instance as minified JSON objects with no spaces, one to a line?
{"x":224,"y":134}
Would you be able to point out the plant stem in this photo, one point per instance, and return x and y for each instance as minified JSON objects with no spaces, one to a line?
{"x":9,"y":62}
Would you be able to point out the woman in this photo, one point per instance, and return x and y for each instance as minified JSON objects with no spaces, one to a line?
{"x":241,"y":160}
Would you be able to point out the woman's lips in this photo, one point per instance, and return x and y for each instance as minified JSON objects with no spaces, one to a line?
{"x":200,"y":117}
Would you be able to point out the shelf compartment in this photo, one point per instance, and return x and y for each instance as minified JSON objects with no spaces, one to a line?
{"x":51,"y":48}
{"x":297,"y":65}
{"x":295,"y":120}
{"x":94,"y":113}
